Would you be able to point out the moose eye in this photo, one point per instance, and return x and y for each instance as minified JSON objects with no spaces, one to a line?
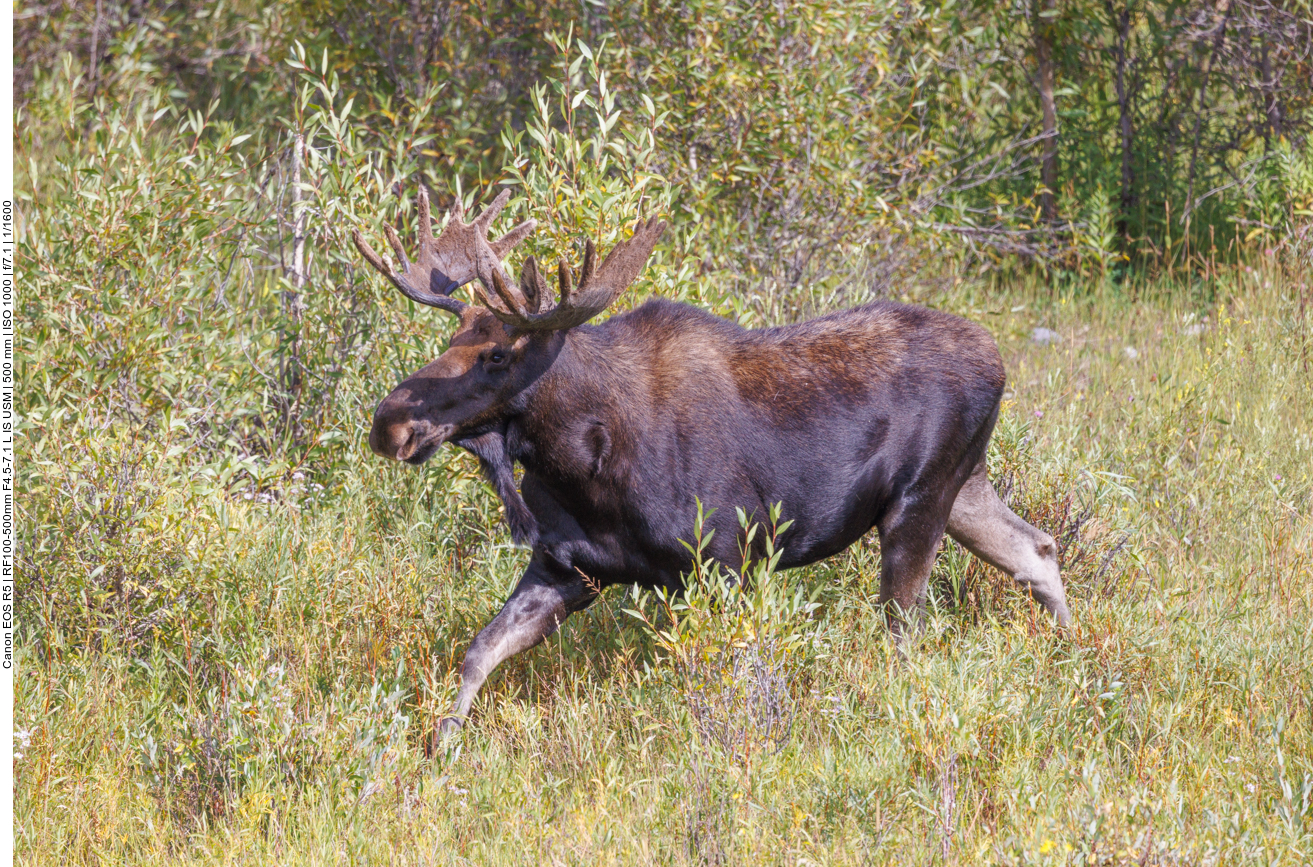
{"x":496,"y":358}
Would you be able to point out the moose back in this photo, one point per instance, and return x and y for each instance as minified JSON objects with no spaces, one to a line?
{"x":873,"y":417}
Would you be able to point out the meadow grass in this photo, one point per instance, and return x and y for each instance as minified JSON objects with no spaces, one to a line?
{"x":266,"y":698}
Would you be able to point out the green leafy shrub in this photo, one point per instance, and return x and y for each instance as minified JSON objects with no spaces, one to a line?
{"x":738,"y":641}
{"x":736,"y":646}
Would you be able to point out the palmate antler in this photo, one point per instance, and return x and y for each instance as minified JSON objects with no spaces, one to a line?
{"x":527,"y":309}
{"x":461,"y":253}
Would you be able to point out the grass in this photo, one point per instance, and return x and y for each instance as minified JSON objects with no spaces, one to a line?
{"x":250,"y":680}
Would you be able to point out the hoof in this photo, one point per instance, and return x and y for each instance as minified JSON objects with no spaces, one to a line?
{"x":443,"y":735}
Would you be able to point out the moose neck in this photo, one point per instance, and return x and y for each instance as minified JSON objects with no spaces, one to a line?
{"x":594,"y":372}
{"x":587,"y":380}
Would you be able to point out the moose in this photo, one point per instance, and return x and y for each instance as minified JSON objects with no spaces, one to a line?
{"x":877,"y":416}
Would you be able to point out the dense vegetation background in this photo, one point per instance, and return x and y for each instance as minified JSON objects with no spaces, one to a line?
{"x":237,"y":627}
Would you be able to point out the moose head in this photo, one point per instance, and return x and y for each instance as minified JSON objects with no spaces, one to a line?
{"x":502,"y":345}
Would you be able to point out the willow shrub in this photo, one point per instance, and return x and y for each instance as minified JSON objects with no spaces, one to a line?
{"x":171,"y":355}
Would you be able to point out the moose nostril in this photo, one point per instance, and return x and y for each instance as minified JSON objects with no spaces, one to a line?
{"x":407,"y":445}
{"x":392,"y":440}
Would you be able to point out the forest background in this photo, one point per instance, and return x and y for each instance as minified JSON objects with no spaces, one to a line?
{"x":237,"y":627}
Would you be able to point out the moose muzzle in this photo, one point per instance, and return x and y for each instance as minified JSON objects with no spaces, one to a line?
{"x":405,"y":438}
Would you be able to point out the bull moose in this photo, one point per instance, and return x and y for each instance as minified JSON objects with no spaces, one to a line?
{"x":876,"y":416}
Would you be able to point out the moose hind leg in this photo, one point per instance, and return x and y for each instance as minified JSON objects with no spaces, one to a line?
{"x":535,"y":610}
{"x":991,"y":531}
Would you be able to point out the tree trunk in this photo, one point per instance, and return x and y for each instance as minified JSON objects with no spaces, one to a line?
{"x":292,"y":307}
{"x":1218,"y":39}
{"x":298,"y":231}
{"x":1122,"y":21}
{"x":93,"y":68}
{"x":1272,"y":106}
{"x":1044,"y":13}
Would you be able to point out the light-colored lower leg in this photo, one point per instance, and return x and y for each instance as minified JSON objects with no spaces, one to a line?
{"x":991,"y":531}
{"x":534,"y":611}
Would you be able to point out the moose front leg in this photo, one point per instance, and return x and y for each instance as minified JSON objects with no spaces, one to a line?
{"x":909,"y":540}
{"x":536,"y":608}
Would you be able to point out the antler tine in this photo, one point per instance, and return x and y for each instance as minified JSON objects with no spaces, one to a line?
{"x":507,"y":242}
{"x":532,"y":286}
{"x":380,"y":264}
{"x":425,"y":227}
{"x":598,"y":287}
{"x":510,"y":309}
{"x":514,"y":304}
{"x":458,"y":255}
{"x":484,"y":221}
{"x":563,"y":280}
{"x":395,"y":241}
{"x":590,"y":262}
